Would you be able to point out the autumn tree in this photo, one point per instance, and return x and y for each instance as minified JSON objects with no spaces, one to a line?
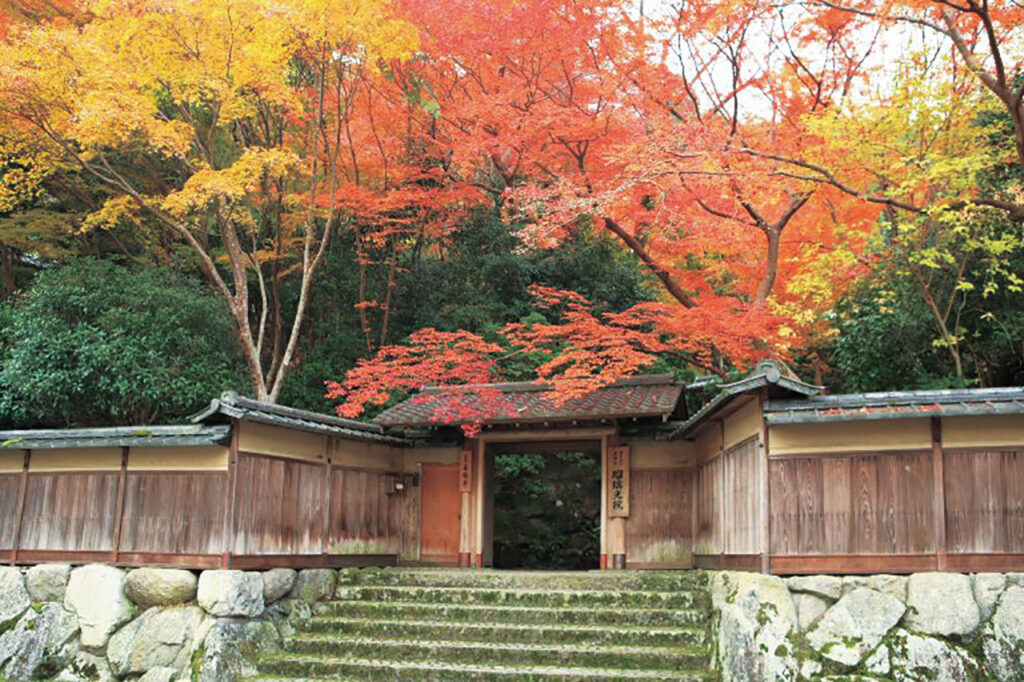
{"x":578,"y":114}
{"x":237,"y":127}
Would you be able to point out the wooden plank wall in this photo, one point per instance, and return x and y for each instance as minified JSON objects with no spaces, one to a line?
{"x":659,"y":528}
{"x":10,"y":485}
{"x":878,"y":503}
{"x":70,"y":511}
{"x":174,"y":512}
{"x":728,"y":499}
{"x":708,"y":484}
{"x":278,"y":506}
{"x":364,"y":518}
{"x":984,"y":501}
{"x":740,"y":499}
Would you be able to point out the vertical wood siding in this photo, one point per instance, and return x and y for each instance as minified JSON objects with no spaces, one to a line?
{"x":174,"y":512}
{"x":278,"y":506}
{"x":659,"y":526}
{"x":10,"y":484}
{"x":365,"y":519}
{"x":728,"y":499}
{"x":70,"y":511}
{"x":863,"y":504}
{"x":985,"y":501}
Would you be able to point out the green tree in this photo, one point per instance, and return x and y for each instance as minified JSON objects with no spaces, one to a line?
{"x":95,"y":343}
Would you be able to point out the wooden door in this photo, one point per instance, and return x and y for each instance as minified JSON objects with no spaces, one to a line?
{"x":440,"y":513}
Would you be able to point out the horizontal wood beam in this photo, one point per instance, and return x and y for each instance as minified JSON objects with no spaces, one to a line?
{"x":728,"y":562}
{"x":541,"y":435}
{"x":783,"y":564}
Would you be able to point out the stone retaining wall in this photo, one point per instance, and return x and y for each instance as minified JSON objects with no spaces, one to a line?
{"x":926,"y":626}
{"x":99,"y":623}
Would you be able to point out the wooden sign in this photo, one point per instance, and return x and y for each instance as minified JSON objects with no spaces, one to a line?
{"x":618,"y":481}
{"x":466,"y":471}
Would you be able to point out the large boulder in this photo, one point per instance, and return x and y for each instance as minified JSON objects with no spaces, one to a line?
{"x":277,"y":583}
{"x":825,"y":586}
{"x":855,"y":625}
{"x":48,"y":582}
{"x":40,"y":645}
{"x":1003,"y":636}
{"x":915,"y":657}
{"x":160,"y":586}
{"x":942,"y":604}
{"x":987,"y":589}
{"x":232,"y":646}
{"x":755,"y":619}
{"x":14,"y":599}
{"x":231,"y":593}
{"x":96,"y":595}
{"x":160,"y":637}
{"x":314,"y":584}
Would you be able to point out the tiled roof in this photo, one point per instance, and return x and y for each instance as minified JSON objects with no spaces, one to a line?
{"x":238,"y":407}
{"x":645,"y":396}
{"x":116,"y":436}
{"x":767,"y":375}
{"x":896,"y":405}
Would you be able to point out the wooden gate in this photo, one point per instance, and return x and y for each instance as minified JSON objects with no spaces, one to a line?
{"x":440,"y":514}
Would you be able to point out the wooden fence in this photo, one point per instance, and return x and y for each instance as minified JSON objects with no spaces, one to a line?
{"x":262,"y":512}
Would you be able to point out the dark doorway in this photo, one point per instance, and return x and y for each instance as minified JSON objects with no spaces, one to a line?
{"x":547,"y":510}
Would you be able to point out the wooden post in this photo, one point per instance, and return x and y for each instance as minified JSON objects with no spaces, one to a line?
{"x":325,"y":523}
{"x":229,"y":512}
{"x":764,"y":510}
{"x":20,"y":514}
{"x":694,"y":508}
{"x":466,"y":504}
{"x":604,"y":504}
{"x":122,"y":480}
{"x":939,"y":496}
{"x":616,"y":525}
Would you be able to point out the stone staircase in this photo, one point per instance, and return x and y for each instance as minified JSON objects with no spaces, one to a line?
{"x":433,"y":624}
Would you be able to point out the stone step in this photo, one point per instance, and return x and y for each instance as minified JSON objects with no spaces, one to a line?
{"x":524,"y":597}
{"x":597,"y":635}
{"x":296,"y":668}
{"x":500,"y":653}
{"x":658,"y":581}
{"x":537,"y":615}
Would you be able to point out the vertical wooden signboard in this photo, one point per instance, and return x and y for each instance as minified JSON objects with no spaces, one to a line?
{"x":618,"y":481}
{"x":466,"y":471}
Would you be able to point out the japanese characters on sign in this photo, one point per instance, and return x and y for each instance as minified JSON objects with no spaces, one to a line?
{"x":466,"y":471}
{"x":618,"y":481}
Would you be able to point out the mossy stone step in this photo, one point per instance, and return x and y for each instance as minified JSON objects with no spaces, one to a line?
{"x":658,"y":581}
{"x":661,"y":636}
{"x":537,"y":615}
{"x":504,"y":653}
{"x":336,"y":668}
{"x":524,"y":597}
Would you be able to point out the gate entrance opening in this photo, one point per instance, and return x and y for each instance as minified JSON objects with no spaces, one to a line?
{"x":547,"y":510}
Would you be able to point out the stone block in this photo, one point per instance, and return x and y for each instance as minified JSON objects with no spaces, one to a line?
{"x":14,"y":599}
{"x":48,"y":582}
{"x":1003,"y":636}
{"x":893,"y":585}
{"x":40,"y":645}
{"x":95,"y":594}
{"x":314,"y":584}
{"x":912,"y":653}
{"x":987,"y":588}
{"x":855,"y":625}
{"x":756,"y":614}
{"x":277,"y":583}
{"x":160,"y":637}
{"x":231,"y":593}
{"x":160,"y":586}
{"x":942,"y":604}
